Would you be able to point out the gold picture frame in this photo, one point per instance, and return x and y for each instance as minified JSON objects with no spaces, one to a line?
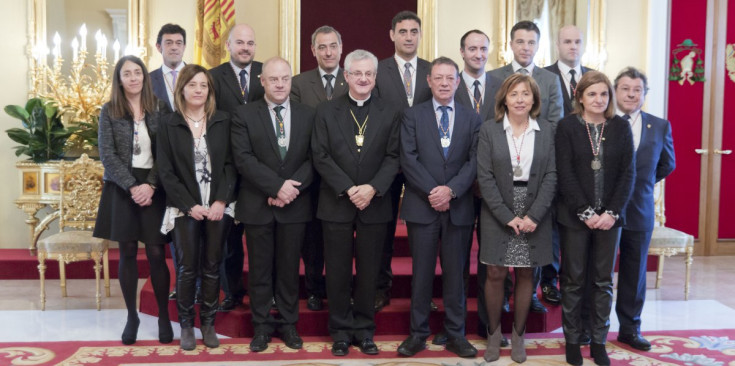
{"x":30,"y":184}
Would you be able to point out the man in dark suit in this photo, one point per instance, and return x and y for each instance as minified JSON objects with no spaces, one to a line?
{"x":476,"y":91}
{"x":438,"y":158}
{"x":236,"y":83}
{"x":568,"y":69}
{"x":355,"y":151}
{"x":654,"y":160}
{"x":401,"y":80}
{"x":271,"y":147}
{"x":312,"y":87}
{"x":524,"y":37}
{"x":171,"y":43}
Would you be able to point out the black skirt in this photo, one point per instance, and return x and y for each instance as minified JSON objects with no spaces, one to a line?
{"x":120,"y":219}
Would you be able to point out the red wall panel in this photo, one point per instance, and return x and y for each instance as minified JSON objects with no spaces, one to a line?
{"x":727,"y":194}
{"x":362,"y":24}
{"x":685,"y":106}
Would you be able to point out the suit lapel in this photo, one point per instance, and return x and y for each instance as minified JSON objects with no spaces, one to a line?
{"x":264,"y":115}
{"x":432,"y":127}
{"x":340,"y":84}
{"x":317,"y":86}
{"x":422,"y":86}
{"x":296,"y":130}
{"x":501,"y":139}
{"x":644,"y":132}
{"x":396,"y":76}
{"x":488,"y":102}
{"x":539,"y":149}
{"x":231,"y":80}
{"x":462,"y":97}
{"x":345,"y":122}
{"x":457,"y":130}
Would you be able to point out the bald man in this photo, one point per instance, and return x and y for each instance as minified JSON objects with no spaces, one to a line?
{"x":271,"y":147}
{"x":236,"y":82}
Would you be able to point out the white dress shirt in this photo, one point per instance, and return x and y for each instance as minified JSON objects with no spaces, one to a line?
{"x":524,"y":144}
{"x":517,"y":66}
{"x":438,"y":113}
{"x":144,"y":160}
{"x":168,"y":79}
{"x":402,"y":68}
{"x":469,"y":81}
{"x":636,"y":125}
{"x":564,"y":70}
{"x":324,"y":80}
{"x":285,"y":114}
{"x":237,"y":75}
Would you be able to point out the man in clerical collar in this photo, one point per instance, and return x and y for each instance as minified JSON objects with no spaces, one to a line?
{"x":355,"y":151}
{"x":171,"y":43}
{"x":438,"y":204}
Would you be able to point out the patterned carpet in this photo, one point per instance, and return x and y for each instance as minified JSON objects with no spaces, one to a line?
{"x":692,"y":347}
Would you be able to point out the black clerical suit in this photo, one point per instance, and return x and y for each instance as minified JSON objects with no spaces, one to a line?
{"x":347,"y":230}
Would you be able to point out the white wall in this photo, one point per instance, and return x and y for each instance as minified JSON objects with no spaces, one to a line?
{"x":457,"y":17}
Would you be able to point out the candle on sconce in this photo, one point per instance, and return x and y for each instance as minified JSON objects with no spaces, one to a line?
{"x":116,"y":48}
{"x":129,"y":50}
{"x":83,"y":35}
{"x":97,"y":41}
{"x":103,"y":45}
{"x":57,"y":46}
{"x":75,"y":48}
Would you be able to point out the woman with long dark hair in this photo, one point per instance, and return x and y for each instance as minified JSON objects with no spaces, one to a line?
{"x":132,"y":204}
{"x":196,"y":169}
{"x":595,"y":168}
{"x":516,"y":173}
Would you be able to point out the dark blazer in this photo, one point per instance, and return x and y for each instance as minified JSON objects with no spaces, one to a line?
{"x":574,"y":172}
{"x":307,"y":87}
{"x":262,"y":171}
{"x":227,"y":86}
{"x":654,"y":160}
{"x":176,"y":161}
{"x":115,"y":143}
{"x":495,"y":177}
{"x":552,"y":103}
{"x":567,"y":99}
{"x":340,"y":166}
{"x":424,"y":165}
{"x":487,"y":108}
{"x":159,"y":88}
{"x":389,"y":83}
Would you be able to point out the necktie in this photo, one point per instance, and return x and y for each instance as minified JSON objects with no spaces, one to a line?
{"x":626,"y":117}
{"x":280,"y":131}
{"x":244,"y":84}
{"x":523,"y":71}
{"x":407,"y":79}
{"x":477,"y":96}
{"x":444,"y":130}
{"x":572,"y":82}
{"x":174,"y":73}
{"x":328,"y":86}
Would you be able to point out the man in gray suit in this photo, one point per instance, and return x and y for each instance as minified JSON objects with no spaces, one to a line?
{"x":312,"y":87}
{"x":524,"y":37}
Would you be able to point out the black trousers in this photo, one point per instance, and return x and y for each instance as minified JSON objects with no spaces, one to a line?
{"x":273,"y":259}
{"x":632,"y":279}
{"x":385,"y":276}
{"x":234,"y":262}
{"x":199,"y":246}
{"x":342,"y":243}
{"x":587,"y":255}
{"x":450,"y":242}
{"x":312,"y":251}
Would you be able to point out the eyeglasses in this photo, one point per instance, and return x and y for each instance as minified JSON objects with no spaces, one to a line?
{"x":360,"y":74}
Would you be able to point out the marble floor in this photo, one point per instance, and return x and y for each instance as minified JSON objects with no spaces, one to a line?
{"x":711,"y":305}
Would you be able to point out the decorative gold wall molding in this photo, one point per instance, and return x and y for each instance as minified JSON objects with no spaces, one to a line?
{"x":595,"y":55}
{"x":289,"y":33}
{"x":427,"y":11}
{"x":506,"y":20}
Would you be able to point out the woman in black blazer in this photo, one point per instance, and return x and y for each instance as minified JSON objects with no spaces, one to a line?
{"x":595,"y":168}
{"x":196,"y":169}
{"x":131,"y":207}
{"x":516,"y":173}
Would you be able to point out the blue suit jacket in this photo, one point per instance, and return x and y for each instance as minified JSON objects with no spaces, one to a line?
{"x":654,"y":161}
{"x":424,"y":165}
{"x":159,"y":87}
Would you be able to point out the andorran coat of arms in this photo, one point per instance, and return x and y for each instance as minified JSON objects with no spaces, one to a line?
{"x":687,"y":64}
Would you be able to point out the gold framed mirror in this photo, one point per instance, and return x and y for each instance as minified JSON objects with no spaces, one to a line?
{"x":123,"y":20}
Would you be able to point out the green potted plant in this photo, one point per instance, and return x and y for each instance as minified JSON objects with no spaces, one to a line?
{"x":43,"y":136}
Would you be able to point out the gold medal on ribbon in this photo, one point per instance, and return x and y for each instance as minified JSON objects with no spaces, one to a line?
{"x":359,"y":140}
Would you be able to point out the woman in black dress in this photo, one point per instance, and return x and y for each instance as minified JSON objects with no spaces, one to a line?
{"x":595,"y":169}
{"x":132,"y":204}
{"x":196,"y":169}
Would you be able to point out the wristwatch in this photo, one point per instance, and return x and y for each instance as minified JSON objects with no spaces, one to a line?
{"x":451,"y":193}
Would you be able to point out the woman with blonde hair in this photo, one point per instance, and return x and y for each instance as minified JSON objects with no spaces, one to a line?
{"x":517,"y":177}
{"x":197,"y":172}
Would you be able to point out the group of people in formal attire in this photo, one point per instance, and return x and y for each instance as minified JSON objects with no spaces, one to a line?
{"x":553,"y":167}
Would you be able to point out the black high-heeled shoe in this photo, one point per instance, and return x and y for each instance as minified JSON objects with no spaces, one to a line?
{"x":165,"y":331}
{"x":573,"y":354}
{"x":130,"y":333}
{"x":599,"y":354}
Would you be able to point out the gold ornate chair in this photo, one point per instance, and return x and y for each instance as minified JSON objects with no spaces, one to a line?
{"x":80,"y":184}
{"x":666,"y":242}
